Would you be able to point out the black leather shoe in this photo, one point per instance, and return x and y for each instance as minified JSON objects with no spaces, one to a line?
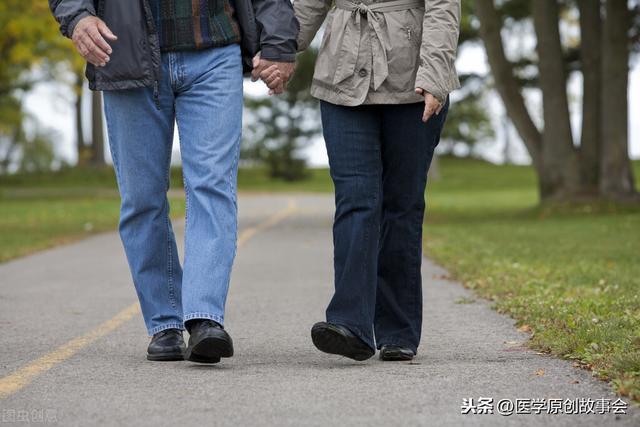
{"x":208,"y":342}
{"x":394,"y":353}
{"x":166,"y":345}
{"x":336,"y":339}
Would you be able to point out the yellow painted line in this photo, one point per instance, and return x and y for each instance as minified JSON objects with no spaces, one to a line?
{"x":269,"y":222}
{"x":25,"y":375}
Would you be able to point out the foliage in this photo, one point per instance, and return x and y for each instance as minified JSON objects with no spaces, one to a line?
{"x":467,"y":124}
{"x":31,"y":49}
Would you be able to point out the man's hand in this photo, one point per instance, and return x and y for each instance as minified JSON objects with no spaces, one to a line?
{"x":89,"y":37}
{"x":274,"y":74}
{"x":431,"y":104}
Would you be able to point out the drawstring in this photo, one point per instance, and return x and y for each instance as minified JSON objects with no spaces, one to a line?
{"x":156,"y":94}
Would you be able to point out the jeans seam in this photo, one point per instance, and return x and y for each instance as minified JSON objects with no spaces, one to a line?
{"x":233,"y":192}
{"x":114,"y":156}
{"x":373,"y":222}
{"x":172,"y":292}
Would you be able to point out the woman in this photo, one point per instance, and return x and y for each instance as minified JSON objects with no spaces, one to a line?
{"x":383,"y":75}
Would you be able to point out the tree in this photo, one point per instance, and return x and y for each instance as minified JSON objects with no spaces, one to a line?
{"x":29,"y":39}
{"x":279,"y":126}
{"x":467,"y":124}
{"x":616,"y":177}
{"x":600,"y":165}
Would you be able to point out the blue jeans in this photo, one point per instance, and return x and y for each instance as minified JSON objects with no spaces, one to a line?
{"x":379,"y":157}
{"x":202,"y":92}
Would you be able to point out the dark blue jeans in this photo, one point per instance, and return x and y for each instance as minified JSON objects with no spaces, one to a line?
{"x":379,"y":157}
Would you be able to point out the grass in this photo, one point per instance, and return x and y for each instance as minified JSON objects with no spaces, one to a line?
{"x":38,"y":211}
{"x":569,"y":273}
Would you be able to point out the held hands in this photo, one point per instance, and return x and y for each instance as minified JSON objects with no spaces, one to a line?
{"x":89,"y":38}
{"x":274,"y":74}
{"x":431,"y":105}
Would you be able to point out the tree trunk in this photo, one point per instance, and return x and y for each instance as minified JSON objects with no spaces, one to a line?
{"x":616,"y":175}
{"x":97,"y":130}
{"x":505,"y":81}
{"x":80,"y":142}
{"x":13,"y":142}
{"x":560,"y":176}
{"x":591,"y":58}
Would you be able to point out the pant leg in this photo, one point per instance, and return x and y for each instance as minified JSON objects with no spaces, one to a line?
{"x":407,"y":150}
{"x":352,"y":136}
{"x":140,"y":139}
{"x":209,"y":116}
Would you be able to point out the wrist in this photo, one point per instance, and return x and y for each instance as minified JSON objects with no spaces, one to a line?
{"x":74,"y":22}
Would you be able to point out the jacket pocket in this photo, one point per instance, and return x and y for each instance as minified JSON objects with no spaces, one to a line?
{"x":130,"y":59}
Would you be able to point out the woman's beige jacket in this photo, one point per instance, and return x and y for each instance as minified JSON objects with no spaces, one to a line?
{"x":379,"y":51}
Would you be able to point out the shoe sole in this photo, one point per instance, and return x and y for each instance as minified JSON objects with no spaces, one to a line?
{"x":209,"y":350}
{"x":395,"y":357}
{"x":165,"y":357}
{"x":330,"y":340}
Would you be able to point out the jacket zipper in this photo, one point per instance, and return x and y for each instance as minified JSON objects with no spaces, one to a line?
{"x":153,"y":49}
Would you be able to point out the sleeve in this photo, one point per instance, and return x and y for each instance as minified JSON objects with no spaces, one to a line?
{"x":278,"y":28}
{"x":69,"y":12}
{"x":311,"y":14}
{"x":440,"y":30}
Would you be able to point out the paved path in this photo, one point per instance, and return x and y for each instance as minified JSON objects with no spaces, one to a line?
{"x":72,"y":344}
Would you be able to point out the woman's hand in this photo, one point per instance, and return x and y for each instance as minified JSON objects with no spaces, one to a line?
{"x":431,"y":105}
{"x":275,"y":75}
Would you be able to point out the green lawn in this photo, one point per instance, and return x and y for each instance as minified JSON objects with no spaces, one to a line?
{"x":38,"y":211}
{"x":569,"y":273}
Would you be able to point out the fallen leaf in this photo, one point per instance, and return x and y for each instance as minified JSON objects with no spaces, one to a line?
{"x":525,"y":328}
{"x":539,"y":372}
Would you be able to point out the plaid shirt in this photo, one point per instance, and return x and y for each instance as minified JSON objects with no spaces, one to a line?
{"x":195,"y":24}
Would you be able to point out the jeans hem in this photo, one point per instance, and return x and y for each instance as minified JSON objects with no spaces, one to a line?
{"x":161,"y":328}
{"x":202,"y":315}
{"x":355,"y":330}
{"x":398,"y":343}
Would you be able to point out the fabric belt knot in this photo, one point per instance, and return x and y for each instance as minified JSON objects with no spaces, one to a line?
{"x":362,"y":9}
{"x":380,"y":43}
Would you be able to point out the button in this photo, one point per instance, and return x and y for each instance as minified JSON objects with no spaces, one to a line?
{"x":362,"y":73}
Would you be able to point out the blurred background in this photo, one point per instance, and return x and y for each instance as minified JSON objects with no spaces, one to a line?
{"x":532,"y":198}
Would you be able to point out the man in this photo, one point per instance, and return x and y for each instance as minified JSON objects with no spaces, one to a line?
{"x":162,"y":61}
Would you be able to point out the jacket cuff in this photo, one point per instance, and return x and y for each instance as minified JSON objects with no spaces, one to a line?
{"x":68,"y":31}
{"x":275,"y":54}
{"x":439,"y":90}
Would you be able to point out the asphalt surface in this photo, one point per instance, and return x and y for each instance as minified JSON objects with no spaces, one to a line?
{"x":281,"y":283}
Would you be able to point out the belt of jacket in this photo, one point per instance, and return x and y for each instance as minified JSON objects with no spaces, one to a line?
{"x":380,"y":44}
